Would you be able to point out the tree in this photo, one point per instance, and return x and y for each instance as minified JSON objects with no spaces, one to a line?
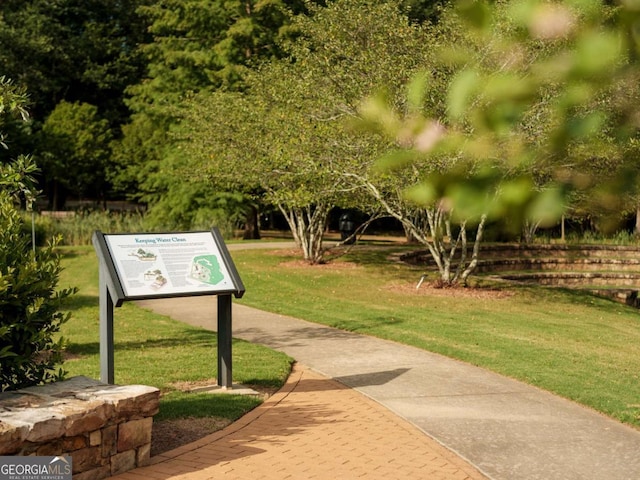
{"x":354,"y":48}
{"x":248,"y":153}
{"x":75,"y":150}
{"x":197,"y":45}
{"x":194,"y":205}
{"x":414,"y":127}
{"x":288,"y":133}
{"x":73,"y":50}
{"x":532,"y":117}
{"x":29,"y":303}
{"x":12,"y":105}
{"x":78,"y":51}
{"x":590,"y":66}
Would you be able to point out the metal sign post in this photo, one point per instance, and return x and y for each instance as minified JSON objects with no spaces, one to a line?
{"x":224,"y":341}
{"x":142,"y":266}
{"x":106,"y":331}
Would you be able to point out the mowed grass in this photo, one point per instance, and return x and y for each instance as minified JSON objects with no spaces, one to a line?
{"x":156,"y":350}
{"x":578,"y":346}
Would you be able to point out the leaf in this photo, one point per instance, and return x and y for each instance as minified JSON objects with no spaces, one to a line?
{"x":416,"y":91}
{"x":596,"y":54}
{"x":6,"y":352}
{"x":462,"y":89}
{"x":376,"y":113}
{"x":469,"y":200}
{"x":423,"y":194}
{"x":583,"y":127}
{"x":395,"y":159}
{"x":547,"y":207}
{"x":508,"y":87}
{"x":476,"y":12}
{"x":516,"y":191}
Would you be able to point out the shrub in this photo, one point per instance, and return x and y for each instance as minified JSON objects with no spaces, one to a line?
{"x":30,"y":314}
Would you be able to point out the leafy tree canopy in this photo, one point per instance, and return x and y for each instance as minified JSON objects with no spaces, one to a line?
{"x":197,"y":45}
{"x":286,"y":136}
{"x":74,"y":50}
{"x":74,"y":147}
{"x":537,"y":88}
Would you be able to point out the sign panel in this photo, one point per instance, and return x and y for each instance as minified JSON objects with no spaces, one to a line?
{"x":155,"y":264}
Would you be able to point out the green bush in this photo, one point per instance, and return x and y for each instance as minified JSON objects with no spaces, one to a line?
{"x":621,"y":237}
{"x":78,"y":228}
{"x":30,"y":303}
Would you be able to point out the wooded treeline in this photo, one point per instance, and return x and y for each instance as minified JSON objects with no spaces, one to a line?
{"x":510,"y":112}
{"x":102,"y":76}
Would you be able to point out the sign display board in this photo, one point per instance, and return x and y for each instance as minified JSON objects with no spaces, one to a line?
{"x":138,"y":266}
{"x":148,"y":265}
{"x":158,"y":265}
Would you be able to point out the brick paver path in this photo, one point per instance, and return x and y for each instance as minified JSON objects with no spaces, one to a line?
{"x":313,"y":428}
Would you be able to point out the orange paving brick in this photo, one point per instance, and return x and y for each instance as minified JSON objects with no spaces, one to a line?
{"x":313,"y":428}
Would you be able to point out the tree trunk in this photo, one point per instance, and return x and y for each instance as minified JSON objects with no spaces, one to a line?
{"x":307,"y":225}
{"x":251,"y":225}
{"x":59,"y":196}
{"x":476,"y":249}
{"x":432,"y":228}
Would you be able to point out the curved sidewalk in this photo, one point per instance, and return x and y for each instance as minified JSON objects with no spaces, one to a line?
{"x":313,"y":428}
{"x":506,"y":429}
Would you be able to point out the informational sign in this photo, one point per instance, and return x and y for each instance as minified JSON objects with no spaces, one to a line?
{"x":137,"y":266}
{"x":150,"y":264}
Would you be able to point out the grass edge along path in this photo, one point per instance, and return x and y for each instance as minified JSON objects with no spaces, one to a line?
{"x":155,"y":350}
{"x":570,"y":343}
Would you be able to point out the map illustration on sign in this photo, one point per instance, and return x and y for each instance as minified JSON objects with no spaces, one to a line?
{"x":168,"y":264}
{"x":206,"y":269}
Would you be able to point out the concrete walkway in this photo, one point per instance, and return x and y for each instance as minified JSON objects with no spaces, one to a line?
{"x":506,"y":429}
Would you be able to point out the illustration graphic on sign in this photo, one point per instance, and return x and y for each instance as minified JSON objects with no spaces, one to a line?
{"x":144,"y":255}
{"x":206,"y":269}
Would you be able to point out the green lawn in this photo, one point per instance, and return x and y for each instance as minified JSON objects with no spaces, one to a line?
{"x":578,"y":346}
{"x":155,"y":350}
